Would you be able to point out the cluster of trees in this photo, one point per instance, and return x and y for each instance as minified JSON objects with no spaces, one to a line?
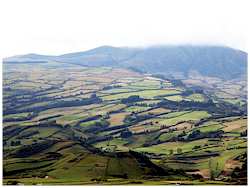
{"x":222,"y":108}
{"x":22,"y":98}
{"x":243,"y":134}
{"x":53,"y":155}
{"x":187,"y":104}
{"x":91,"y":118}
{"x":99,"y":123}
{"x":126,"y":133}
{"x":178,"y":151}
{"x":183,"y":136}
{"x":57,"y":104}
{"x":144,"y":104}
{"x":15,"y":143}
{"x":27,"y":134}
{"x":196,"y":147}
{"x":132,"y":99}
{"x":197,"y":134}
{"x":111,"y":87}
{"x":34,"y":148}
{"x":11,"y":131}
{"x":49,"y":123}
{"x":102,"y":123}
{"x":11,"y":182}
{"x":240,"y":174}
{"x":87,"y":142}
{"x":136,"y":118}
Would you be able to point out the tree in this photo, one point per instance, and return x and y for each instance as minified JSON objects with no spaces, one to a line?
{"x":126,"y":133}
{"x":196,"y":147}
{"x":93,"y":95}
{"x":15,"y":143}
{"x":171,"y":152}
{"x":212,"y":173}
{"x":12,"y":182}
{"x":183,"y":133}
{"x":179,"y":150}
{"x":243,"y":134}
{"x":131,"y":99}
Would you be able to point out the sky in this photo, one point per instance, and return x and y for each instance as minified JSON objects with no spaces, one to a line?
{"x":60,"y":26}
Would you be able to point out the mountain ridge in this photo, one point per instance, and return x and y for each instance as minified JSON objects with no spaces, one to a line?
{"x":215,"y":61}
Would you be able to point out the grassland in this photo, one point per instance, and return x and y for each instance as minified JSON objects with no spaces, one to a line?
{"x":176,"y":117}
{"x":68,"y":125}
{"x":196,"y":97}
{"x":147,"y":94}
{"x":117,"y":118}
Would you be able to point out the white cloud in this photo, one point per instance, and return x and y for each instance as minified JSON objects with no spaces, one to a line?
{"x":61,"y":26}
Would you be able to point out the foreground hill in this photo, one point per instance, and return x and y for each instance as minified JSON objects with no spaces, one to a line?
{"x":55,"y":160}
{"x":212,"y":61}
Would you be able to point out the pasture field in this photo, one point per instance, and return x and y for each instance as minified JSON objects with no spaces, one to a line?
{"x":155,"y":111}
{"x":147,"y":94}
{"x":174,"y":98}
{"x":117,"y":118}
{"x":15,"y":116}
{"x":176,"y":117}
{"x":236,"y":126}
{"x":210,"y":127}
{"x":76,"y":125}
{"x":196,"y":97}
{"x":136,"y":109}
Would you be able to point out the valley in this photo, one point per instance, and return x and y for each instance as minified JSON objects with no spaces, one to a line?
{"x":75,"y":124}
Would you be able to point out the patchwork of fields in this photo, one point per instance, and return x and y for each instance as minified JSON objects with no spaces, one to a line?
{"x":69,"y":124}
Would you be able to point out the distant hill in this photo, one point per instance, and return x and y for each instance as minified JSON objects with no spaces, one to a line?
{"x":214,"y":61}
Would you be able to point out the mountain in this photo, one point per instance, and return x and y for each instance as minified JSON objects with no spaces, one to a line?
{"x":214,"y":61}
{"x":172,"y":60}
{"x":28,"y":58}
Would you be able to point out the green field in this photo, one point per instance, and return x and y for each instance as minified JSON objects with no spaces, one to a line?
{"x":76,"y":125}
{"x":147,"y":94}
{"x":174,"y":118}
{"x":196,"y":97}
